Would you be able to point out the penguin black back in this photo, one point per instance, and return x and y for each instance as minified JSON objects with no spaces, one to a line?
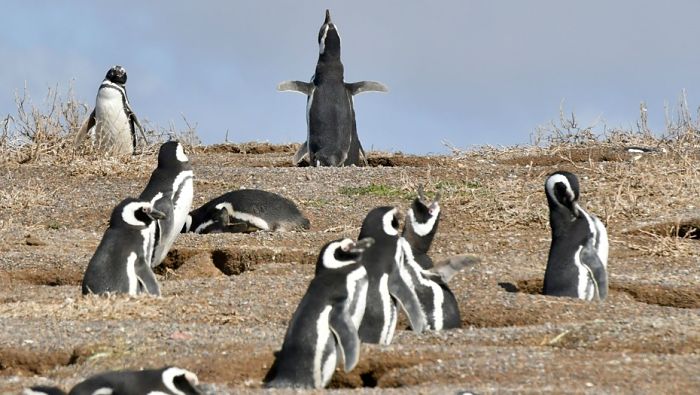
{"x":168,"y":380}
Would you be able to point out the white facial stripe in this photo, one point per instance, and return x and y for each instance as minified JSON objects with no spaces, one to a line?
{"x":387,"y":219}
{"x":129,"y":210}
{"x":131,"y":273}
{"x":438,"y":295}
{"x":329,"y":260}
{"x":203,"y":226}
{"x":103,"y":391}
{"x":422,"y":229}
{"x":322,"y":44}
{"x":169,"y":379}
{"x":181,"y":177}
{"x":389,"y":311}
{"x":156,"y":198}
{"x":188,"y":223}
{"x":353,"y":282}
{"x":180,"y":153}
{"x":323,"y":331}
{"x":553,"y":180}
{"x":225,"y":205}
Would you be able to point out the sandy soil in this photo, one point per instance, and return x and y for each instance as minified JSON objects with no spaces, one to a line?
{"x":227,"y":298}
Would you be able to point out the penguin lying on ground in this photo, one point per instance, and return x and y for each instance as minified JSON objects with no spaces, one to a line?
{"x":332,"y":132}
{"x":122,"y":261}
{"x":430,"y":281}
{"x":113,"y":119}
{"x":165,"y":381}
{"x":246,"y":210}
{"x":170,"y":190}
{"x":325,"y":322}
{"x":578,"y":255}
{"x":389,"y":281}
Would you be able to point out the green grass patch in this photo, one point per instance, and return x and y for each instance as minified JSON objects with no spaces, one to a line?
{"x":378,"y":190}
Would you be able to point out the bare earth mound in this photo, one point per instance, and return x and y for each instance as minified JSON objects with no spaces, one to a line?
{"x":227,"y":298}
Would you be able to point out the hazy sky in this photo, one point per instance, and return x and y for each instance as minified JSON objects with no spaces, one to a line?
{"x":466,"y":72}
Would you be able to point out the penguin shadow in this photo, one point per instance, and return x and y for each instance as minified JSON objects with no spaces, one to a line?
{"x":529,"y":286}
{"x":379,"y":370}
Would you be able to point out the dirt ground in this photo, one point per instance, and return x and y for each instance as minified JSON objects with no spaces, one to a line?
{"x":227,"y":298}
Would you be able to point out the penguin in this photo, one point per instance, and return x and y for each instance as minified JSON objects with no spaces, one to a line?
{"x":332,"y":138}
{"x":168,"y":380}
{"x":420,"y":227}
{"x":246,"y":210}
{"x":325,"y":322}
{"x":122,"y":261}
{"x":389,"y":281}
{"x":437,"y":301}
{"x":578,"y":255}
{"x":170,"y":190}
{"x":113,"y":119}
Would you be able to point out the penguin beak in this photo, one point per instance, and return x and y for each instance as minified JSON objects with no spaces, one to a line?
{"x":361,"y":245}
{"x":155,"y":214}
{"x":328,"y":17}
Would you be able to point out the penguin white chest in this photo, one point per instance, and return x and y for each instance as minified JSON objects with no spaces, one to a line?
{"x":112,"y":128}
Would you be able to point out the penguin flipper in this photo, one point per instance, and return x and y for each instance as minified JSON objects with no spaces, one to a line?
{"x":83,"y":131}
{"x":596,"y":270}
{"x":302,"y":155}
{"x":135,"y":122}
{"x":356,"y":88}
{"x":447,"y":268}
{"x":408,"y":300}
{"x":296,"y":86}
{"x":346,"y":335}
{"x":147,"y":281}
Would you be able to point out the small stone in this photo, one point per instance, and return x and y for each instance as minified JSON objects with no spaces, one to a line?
{"x":34,"y":241}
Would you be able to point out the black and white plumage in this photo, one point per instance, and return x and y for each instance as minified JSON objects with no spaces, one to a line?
{"x":113,"y":119}
{"x":325,"y":322}
{"x":332,"y":138}
{"x":389,"y":281}
{"x":578,"y":255}
{"x":122,"y":261}
{"x":246,"y":210}
{"x":420,"y":227}
{"x":428,"y":280}
{"x":170,"y":190}
{"x":165,"y":381}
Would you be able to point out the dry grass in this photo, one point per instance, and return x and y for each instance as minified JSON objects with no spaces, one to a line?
{"x":46,"y":132}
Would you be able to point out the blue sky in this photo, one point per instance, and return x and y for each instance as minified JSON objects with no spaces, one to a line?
{"x":466,"y":72}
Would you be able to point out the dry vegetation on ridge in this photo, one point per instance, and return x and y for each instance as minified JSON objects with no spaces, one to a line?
{"x":227,"y":298}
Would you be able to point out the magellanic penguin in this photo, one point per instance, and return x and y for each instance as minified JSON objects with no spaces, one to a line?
{"x":170,"y":190}
{"x":578,"y":255}
{"x":165,"y":381}
{"x":420,"y":227}
{"x":389,"y":281}
{"x":330,"y":114}
{"x":113,"y":119}
{"x":246,"y":210}
{"x":430,"y":281}
{"x":122,"y":261}
{"x":325,"y":322}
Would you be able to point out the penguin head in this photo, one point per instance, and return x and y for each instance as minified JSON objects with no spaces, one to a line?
{"x":180,"y":381}
{"x":343,"y":252}
{"x":171,"y":154}
{"x":563,"y":191}
{"x":116,"y":74}
{"x":381,"y":223}
{"x":328,"y":39}
{"x":136,"y":213}
{"x":421,"y":221}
